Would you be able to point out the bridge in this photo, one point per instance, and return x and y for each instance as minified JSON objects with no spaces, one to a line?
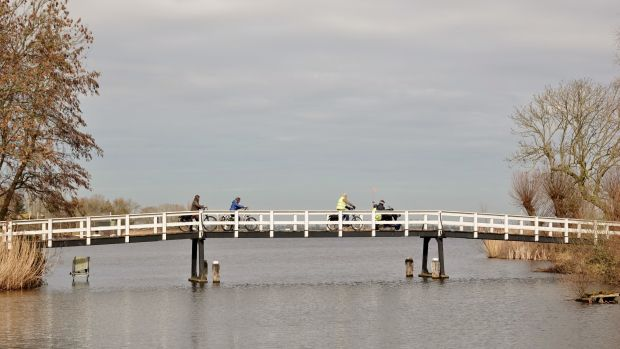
{"x":201,"y":225}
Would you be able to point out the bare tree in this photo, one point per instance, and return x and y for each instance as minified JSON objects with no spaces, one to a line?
{"x":573,"y":131}
{"x":526,"y":192}
{"x":42,"y":76}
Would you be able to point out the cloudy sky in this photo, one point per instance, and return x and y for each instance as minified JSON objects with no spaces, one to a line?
{"x":288,"y":103}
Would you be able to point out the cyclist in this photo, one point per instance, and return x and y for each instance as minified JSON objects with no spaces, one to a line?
{"x":344,"y":204}
{"x":235,"y":205}
{"x":196,"y":206}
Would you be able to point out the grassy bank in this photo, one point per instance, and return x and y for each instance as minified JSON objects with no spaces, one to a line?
{"x":518,"y":250}
{"x":23,"y":266}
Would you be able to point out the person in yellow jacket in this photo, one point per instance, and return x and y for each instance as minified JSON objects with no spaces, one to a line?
{"x":344,"y":204}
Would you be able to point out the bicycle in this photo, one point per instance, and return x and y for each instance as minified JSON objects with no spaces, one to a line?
{"x":191,"y":218}
{"x":231,"y":218}
{"x":353,"y":218}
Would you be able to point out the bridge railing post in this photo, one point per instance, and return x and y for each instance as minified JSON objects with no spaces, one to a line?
{"x":595,"y":232}
{"x":81,"y":229}
{"x":306,"y":224}
{"x":295,"y":222}
{"x":164,"y":225}
{"x":339,"y":223}
{"x":10,"y":236}
{"x":127,"y":228}
{"x":407,"y":224}
{"x":475,"y":225}
{"x":155,"y":225}
{"x":536,"y":230}
{"x":579,"y":230}
{"x":461,"y":223}
{"x":118,"y":227}
{"x":88,"y":230}
{"x":521,"y":226}
{"x":425,"y":226}
{"x":373,"y":224}
{"x":44,"y":231}
{"x":565,"y":230}
{"x":505,"y":227}
{"x":236,"y":224}
{"x":271,"y":224}
{"x":439,"y":224}
{"x":260,"y":222}
{"x":201,"y":228}
{"x":49,"y":232}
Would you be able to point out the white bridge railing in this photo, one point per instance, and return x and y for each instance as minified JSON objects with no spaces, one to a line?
{"x":284,"y":221}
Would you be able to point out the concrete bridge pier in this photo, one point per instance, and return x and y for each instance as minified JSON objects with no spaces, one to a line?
{"x":199,"y":268}
{"x":442,"y":270}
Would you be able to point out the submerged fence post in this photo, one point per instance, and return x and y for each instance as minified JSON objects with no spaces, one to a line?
{"x":216,"y":272}
{"x":409,"y":267}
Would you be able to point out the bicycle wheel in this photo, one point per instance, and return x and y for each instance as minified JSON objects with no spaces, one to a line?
{"x":332,"y":225}
{"x":356,"y":223}
{"x":250,"y":227}
{"x":226,"y":226}
{"x":209,"y":227}
{"x":184,"y":228}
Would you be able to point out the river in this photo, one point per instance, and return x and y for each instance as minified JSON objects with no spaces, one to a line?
{"x":301,"y":293}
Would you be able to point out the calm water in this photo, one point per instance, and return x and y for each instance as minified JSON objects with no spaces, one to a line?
{"x":301,"y":293}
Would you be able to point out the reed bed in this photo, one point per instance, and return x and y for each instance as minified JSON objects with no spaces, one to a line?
{"x":518,"y":250}
{"x":23,"y":266}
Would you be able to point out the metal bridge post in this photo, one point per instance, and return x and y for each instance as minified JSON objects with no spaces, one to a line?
{"x":194,"y":257}
{"x":425,"y":272}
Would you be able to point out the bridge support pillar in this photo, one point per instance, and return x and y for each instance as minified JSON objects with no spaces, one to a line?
{"x":199,"y":271}
{"x":442,"y":270}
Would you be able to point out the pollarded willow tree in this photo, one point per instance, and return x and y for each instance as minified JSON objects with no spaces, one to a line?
{"x":573,"y":132}
{"x":42,"y":77}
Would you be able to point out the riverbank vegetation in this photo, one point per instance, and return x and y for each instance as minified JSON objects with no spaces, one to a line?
{"x":23,"y":266}
{"x":570,"y":141}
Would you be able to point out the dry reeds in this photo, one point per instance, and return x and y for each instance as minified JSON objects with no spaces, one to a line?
{"x":22,"y":266}
{"x":517,"y":250}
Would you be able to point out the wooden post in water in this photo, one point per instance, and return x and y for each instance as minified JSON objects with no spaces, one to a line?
{"x":409,"y":267}
{"x":216,"y":272}
{"x":199,"y":273}
{"x":435,"y":268}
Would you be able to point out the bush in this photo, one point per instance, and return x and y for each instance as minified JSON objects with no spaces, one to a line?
{"x":23,"y":266}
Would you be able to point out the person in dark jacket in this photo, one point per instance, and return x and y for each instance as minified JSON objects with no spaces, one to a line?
{"x":196,"y":206}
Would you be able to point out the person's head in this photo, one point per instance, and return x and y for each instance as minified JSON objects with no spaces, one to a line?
{"x":382,"y":201}
{"x":237,"y":199}
{"x":196,"y":197}
{"x":344,"y":195}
